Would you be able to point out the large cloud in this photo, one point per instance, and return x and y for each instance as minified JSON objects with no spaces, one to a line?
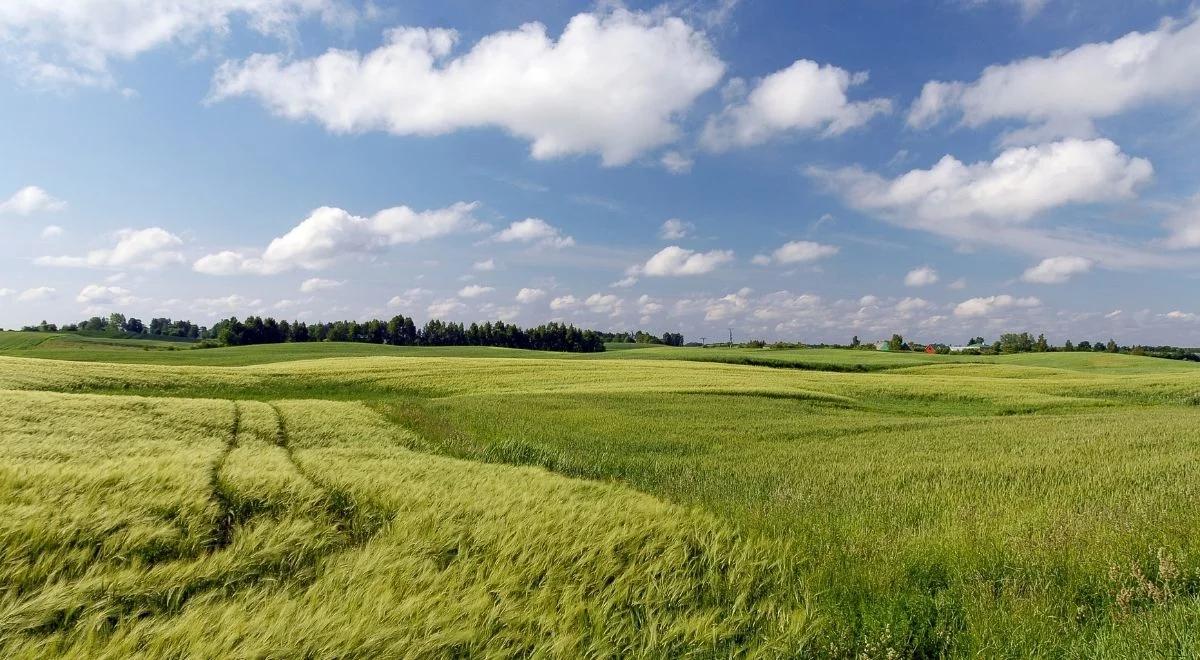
{"x":796,"y":252}
{"x":1019,"y":184}
{"x":36,"y":294}
{"x":612,"y":84}
{"x":72,"y":42}
{"x":314,"y":284}
{"x":1063,"y":92}
{"x":99,"y":294}
{"x":563,"y":302}
{"x":726,"y":307}
{"x":923,"y":276}
{"x":528,"y":295}
{"x":1184,"y":226}
{"x":532,"y":230}
{"x":604,"y":303}
{"x":328,"y":234}
{"x":805,"y":96}
{"x":150,"y":248}
{"x":1056,"y":270}
{"x":986,"y":306}
{"x":674,"y":261}
{"x":29,"y":200}
{"x":474,"y":291}
{"x":993,"y":202}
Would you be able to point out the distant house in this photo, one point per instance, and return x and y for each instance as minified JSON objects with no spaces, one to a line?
{"x":930,"y":349}
{"x":883,"y":346}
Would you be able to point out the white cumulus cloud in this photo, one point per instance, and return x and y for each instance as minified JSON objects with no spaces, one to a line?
{"x":1015,"y":186}
{"x":648,"y":306}
{"x":528,"y":295}
{"x":563,"y":302}
{"x":985,"y":306}
{"x":30,"y":199}
{"x":912,"y":305}
{"x":1056,"y":270}
{"x":805,"y":96}
{"x":675,"y":261}
{"x":36,"y":294}
{"x":409,"y":298}
{"x":994,"y":202}
{"x":147,"y":249}
{"x":329,"y":234}
{"x":531,"y":230}
{"x":1183,"y":227}
{"x":923,"y":276}
{"x":604,"y":303}
{"x":796,"y":252}
{"x":73,"y":42}
{"x":474,"y":291}
{"x":675,"y":229}
{"x":1062,"y":93}
{"x":727,"y":306}
{"x":613,"y":83}
{"x":97,"y":294}
{"x":446,"y":308}
{"x":314,"y":284}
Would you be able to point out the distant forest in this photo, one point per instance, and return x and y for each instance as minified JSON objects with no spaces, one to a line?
{"x":400,"y":330}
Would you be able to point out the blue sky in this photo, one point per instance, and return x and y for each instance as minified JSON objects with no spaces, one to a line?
{"x":799,"y":171}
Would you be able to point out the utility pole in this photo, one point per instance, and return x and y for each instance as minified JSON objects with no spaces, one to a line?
{"x":703,"y":341}
{"x":731,"y":338}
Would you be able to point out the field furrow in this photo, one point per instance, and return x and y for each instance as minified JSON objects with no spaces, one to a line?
{"x":227,"y":513}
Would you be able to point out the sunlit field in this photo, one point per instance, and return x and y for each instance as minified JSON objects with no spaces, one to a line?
{"x":342,"y":499}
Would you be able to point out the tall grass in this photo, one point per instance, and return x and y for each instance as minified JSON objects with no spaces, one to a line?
{"x":467,"y":506}
{"x":350,"y":543}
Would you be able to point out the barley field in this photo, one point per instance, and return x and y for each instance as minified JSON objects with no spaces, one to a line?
{"x":339,"y":500}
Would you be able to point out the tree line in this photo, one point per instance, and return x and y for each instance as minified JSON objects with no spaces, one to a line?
{"x":400,"y":330}
{"x":640,"y":337}
{"x":1024,"y":342}
{"x":119,"y":325}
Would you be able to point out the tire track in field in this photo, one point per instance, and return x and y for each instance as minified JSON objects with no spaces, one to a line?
{"x":223,"y":528}
{"x":357,"y":520}
{"x":73,"y":596}
{"x":352,"y":522}
{"x":281,"y":439}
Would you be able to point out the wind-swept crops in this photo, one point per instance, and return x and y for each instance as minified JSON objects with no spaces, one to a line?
{"x":1036,"y":506}
{"x":306,"y":528}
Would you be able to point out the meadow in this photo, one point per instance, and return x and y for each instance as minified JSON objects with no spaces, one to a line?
{"x":343,"y":499}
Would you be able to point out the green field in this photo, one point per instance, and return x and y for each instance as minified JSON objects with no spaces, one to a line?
{"x":67,"y":346}
{"x":348,"y":499}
